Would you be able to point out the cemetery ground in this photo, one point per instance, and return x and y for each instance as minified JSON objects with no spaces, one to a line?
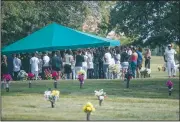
{"x":146,"y":99}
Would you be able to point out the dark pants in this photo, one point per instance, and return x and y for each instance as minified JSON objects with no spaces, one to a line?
{"x":90,"y":73}
{"x":147,"y":63}
{"x":15,"y":76}
{"x":101,"y":73}
{"x":96,"y":70}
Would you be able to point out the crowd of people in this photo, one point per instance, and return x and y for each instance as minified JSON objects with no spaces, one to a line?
{"x":94,"y":61}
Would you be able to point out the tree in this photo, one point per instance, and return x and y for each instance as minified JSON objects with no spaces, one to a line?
{"x":20,"y":18}
{"x":147,"y":22}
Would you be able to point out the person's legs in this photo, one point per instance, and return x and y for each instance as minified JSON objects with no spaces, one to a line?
{"x":85,"y":69}
{"x":106,"y":72}
{"x":149,"y":63}
{"x":137,"y":71}
{"x":36,"y":75}
{"x":146,"y":63}
{"x":169,"y":68}
{"x":133,"y":68}
{"x":15,"y":75}
{"x":77,"y":69}
{"x":173,"y":66}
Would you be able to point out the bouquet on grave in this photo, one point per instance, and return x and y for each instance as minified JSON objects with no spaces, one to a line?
{"x":169,"y":84}
{"x":101,"y":95}
{"x":7,"y":77}
{"x":30,"y":76}
{"x":48,"y":74}
{"x":52,"y":96}
{"x":81,"y":74}
{"x":88,"y":108}
{"x":22,"y":75}
{"x":55,"y":75}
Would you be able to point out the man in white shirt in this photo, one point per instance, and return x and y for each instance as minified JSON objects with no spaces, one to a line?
{"x":107,"y":62}
{"x":16,"y":66}
{"x":169,"y":58}
{"x":34,"y":61}
{"x":46,"y":61}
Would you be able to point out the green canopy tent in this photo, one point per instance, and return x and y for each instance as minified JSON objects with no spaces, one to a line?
{"x":57,"y":37}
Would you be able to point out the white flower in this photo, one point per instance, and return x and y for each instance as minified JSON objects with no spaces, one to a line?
{"x":100,"y":93}
{"x":101,"y":97}
{"x":47,"y":94}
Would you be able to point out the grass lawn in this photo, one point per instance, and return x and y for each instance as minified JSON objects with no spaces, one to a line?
{"x":146,"y":99}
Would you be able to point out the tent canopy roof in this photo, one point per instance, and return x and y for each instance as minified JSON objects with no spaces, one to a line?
{"x":57,"y":37}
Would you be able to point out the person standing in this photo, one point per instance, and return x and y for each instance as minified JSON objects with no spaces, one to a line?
{"x":46,"y":61}
{"x":34,"y":61}
{"x":40,"y":64}
{"x":67,"y":66}
{"x":96,"y":63}
{"x":139,"y":61}
{"x":4,"y":66}
{"x":133,"y":61}
{"x":107,"y":62}
{"x":79,"y":61}
{"x":10,"y":64}
{"x":16,"y":66}
{"x":124,"y":62}
{"x":147,"y":58}
{"x":84,"y":64}
{"x":90,"y":65}
{"x":169,"y":58}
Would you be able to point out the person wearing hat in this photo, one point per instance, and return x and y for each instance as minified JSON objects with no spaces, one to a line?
{"x":169,"y":59}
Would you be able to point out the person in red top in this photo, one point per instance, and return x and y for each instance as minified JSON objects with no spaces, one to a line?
{"x":133,"y":61}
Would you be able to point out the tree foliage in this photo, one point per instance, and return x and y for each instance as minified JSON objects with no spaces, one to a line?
{"x":152,"y":22}
{"x":20,"y":18}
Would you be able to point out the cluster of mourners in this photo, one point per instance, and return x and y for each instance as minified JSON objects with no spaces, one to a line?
{"x":94,"y":61}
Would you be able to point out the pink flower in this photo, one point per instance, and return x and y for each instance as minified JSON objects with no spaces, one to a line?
{"x":81,"y":78}
{"x":55,"y":75}
{"x":169,"y":83}
{"x":30,"y":75}
{"x":7,"y":77}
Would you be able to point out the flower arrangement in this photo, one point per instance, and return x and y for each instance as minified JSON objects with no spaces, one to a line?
{"x":128,"y":76}
{"x":52,"y":96}
{"x":101,"y":95}
{"x":48,"y":74}
{"x":81,"y":74}
{"x":159,"y":68}
{"x":169,"y":84}
{"x":22,"y":75}
{"x":55,"y":75}
{"x":30,"y":76}
{"x":88,"y":108}
{"x":7,"y":78}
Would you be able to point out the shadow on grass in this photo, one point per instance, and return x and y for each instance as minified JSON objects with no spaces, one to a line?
{"x":142,"y":88}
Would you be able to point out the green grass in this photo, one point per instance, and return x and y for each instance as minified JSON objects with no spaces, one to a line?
{"x":146,"y":99}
